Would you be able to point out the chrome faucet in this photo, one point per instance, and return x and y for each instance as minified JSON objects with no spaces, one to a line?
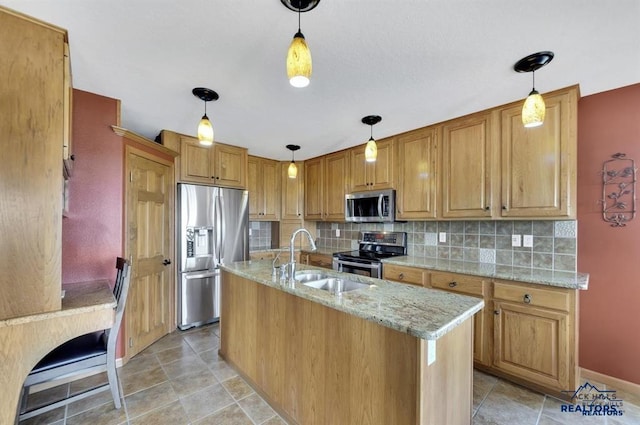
{"x":291,"y":266}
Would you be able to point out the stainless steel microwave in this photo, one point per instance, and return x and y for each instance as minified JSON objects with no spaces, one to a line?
{"x":370,"y":207}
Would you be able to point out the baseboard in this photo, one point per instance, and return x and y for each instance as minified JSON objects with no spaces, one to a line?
{"x":610,"y":381}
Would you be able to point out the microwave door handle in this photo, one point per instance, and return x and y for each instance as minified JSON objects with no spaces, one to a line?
{"x":380,"y":197}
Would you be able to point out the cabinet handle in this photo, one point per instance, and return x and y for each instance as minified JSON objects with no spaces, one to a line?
{"x":401,"y":276}
{"x":72,"y":157}
{"x":166,"y":262}
{"x":526,"y":299}
{"x":453,"y":284}
{"x":496,"y":312}
{"x":217,"y":178}
{"x":504,"y":207}
{"x":487,"y":208}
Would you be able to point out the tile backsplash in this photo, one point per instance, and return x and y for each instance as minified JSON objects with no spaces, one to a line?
{"x":259,"y":235}
{"x":553,"y":244}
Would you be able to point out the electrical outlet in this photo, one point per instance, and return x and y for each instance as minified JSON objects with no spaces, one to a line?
{"x":516,"y":240}
{"x":337,"y":233}
{"x":249,"y":231}
{"x":527,"y":241}
{"x":442,"y":236}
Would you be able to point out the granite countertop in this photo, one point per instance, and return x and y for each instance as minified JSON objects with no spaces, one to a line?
{"x":421,"y":312}
{"x":521,"y":274}
{"x":78,"y":298}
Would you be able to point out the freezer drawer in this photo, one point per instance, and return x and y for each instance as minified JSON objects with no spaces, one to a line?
{"x":199,"y":298}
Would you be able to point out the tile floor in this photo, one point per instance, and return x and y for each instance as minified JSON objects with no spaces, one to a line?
{"x":181,"y":380}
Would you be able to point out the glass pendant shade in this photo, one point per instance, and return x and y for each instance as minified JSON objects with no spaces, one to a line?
{"x":205,"y":131}
{"x":533,"y":110}
{"x":299,"y":62}
{"x":292,"y":171}
{"x":371,"y":151}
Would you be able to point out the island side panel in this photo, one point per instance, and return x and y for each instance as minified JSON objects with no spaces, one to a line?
{"x":314,"y":364}
{"x":446,"y":386}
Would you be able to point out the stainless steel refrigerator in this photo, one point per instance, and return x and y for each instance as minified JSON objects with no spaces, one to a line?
{"x":213,"y":229}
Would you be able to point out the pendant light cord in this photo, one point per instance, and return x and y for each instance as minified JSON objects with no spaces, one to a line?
{"x":298,"y":17}
{"x":533,"y":73}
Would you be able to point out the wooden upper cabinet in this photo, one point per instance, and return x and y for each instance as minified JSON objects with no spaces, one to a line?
{"x":32,"y":119}
{"x":373,"y":175}
{"x":292,"y":192}
{"x":467,"y":146}
{"x":539,"y":164}
{"x":218,"y":165}
{"x":336,"y":172}
{"x":313,"y":188}
{"x":416,"y":169}
{"x":67,"y":137}
{"x":264,"y":188}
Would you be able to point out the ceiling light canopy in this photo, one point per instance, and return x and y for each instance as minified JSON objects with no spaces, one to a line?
{"x":299,"y":65}
{"x":292,"y":171}
{"x":533,"y":110}
{"x":371,"y":149}
{"x":205,"y":128}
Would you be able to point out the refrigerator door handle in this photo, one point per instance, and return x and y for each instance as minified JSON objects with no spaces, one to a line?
{"x":218,"y":217}
{"x":188,"y":276}
{"x":222,"y":226}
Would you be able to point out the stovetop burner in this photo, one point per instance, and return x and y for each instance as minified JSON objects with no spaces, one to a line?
{"x":375,"y":246}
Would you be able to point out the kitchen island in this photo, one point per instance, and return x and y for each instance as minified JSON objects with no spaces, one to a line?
{"x":387,"y":353}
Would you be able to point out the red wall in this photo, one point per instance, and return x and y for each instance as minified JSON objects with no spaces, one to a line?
{"x":608,"y":123}
{"x":92,"y":232}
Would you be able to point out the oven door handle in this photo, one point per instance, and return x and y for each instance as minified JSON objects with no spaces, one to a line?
{"x":375,"y":266}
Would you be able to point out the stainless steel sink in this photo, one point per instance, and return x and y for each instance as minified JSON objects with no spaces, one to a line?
{"x":336,"y":285}
{"x":310,"y":275}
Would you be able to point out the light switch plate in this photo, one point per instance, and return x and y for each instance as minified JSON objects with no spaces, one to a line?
{"x":527,"y":241}
{"x":442,"y":236}
{"x":337,"y":233}
{"x":516,"y":240}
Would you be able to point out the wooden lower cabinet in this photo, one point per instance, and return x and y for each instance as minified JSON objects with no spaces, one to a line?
{"x":526,"y":333}
{"x":317,"y":365}
{"x":535,"y":335}
{"x":318,"y":260}
{"x":476,"y":287}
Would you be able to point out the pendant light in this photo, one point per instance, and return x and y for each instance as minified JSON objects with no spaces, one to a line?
{"x":292,"y":171}
{"x":205,"y":129}
{"x":371,"y":150}
{"x":533,"y":110}
{"x":299,"y":66}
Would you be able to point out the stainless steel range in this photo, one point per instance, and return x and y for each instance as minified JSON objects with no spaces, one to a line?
{"x":373,"y":247}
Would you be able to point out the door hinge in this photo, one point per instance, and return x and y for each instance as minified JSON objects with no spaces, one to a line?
{"x":130,"y":342}
{"x":131,"y":176}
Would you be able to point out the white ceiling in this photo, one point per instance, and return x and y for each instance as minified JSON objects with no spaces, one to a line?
{"x":414,"y":62}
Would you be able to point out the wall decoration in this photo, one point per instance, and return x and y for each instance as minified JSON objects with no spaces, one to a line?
{"x":618,"y":190}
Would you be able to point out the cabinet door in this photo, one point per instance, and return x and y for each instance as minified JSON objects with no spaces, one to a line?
{"x":372,"y":175}
{"x":313,"y":188}
{"x":292,"y":192}
{"x":320,"y":260}
{"x":335,"y":171}
{"x":255,"y":188}
{"x":466,"y":167}
{"x":271,"y":189}
{"x":230,"y":166}
{"x":539,"y":164}
{"x":358,"y":171}
{"x":532,"y":343}
{"x":381,"y":172}
{"x":195,"y":161}
{"x":416,"y":165}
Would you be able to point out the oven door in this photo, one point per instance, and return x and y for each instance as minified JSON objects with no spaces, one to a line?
{"x":363,"y":268}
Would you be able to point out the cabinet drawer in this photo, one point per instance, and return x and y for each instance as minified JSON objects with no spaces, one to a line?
{"x":320,"y":260}
{"x":463,"y":284}
{"x":262,"y":255}
{"x":556,"y":298}
{"x":412,"y":275}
